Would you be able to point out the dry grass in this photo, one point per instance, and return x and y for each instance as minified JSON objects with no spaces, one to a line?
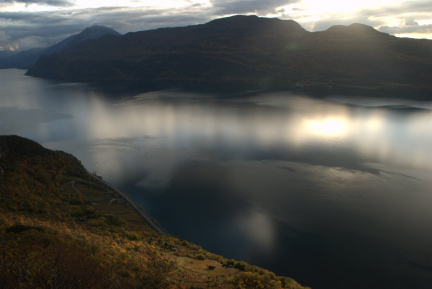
{"x":197,"y":273}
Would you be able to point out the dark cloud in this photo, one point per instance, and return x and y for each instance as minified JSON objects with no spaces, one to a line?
{"x":249,"y":6}
{"x":60,"y":3}
{"x":24,"y":30}
{"x":39,"y":18}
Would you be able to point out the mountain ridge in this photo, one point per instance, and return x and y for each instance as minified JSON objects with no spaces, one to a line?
{"x":89,"y":33}
{"x":249,"y":52}
{"x":25,"y":59}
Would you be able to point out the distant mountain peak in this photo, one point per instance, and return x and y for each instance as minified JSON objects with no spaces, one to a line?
{"x":355,"y":29}
{"x":254,"y":21}
{"x":92,"y":32}
{"x":89,"y":33}
{"x":26,"y":59}
{"x":247,"y":19}
{"x":98,"y":29}
{"x":235,"y":19}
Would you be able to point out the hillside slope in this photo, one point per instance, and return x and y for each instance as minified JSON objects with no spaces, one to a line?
{"x":248,"y":52}
{"x":61,"y":228}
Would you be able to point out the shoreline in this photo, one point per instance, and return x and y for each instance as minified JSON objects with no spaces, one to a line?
{"x":131,"y":203}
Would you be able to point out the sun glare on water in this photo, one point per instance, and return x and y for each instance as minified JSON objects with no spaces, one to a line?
{"x":328,"y":127}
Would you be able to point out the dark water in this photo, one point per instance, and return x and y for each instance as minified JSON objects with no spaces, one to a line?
{"x":336,"y":193}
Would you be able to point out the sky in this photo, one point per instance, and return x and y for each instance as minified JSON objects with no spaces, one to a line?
{"x":26,"y":24}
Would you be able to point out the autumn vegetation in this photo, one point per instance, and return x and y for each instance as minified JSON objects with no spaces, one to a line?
{"x":59,"y":229}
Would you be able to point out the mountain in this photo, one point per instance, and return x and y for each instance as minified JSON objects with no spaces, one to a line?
{"x":88,"y":33}
{"x":61,"y":227}
{"x":249,"y":52}
{"x":25,"y":59}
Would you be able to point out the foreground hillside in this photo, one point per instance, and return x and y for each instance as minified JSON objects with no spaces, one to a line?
{"x":248,"y":52}
{"x":62,"y":228}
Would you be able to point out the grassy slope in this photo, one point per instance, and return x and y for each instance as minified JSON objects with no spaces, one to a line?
{"x":59,"y":230}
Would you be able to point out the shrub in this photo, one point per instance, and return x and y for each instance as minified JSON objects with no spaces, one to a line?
{"x":18,"y":228}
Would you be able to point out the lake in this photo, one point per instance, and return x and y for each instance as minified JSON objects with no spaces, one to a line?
{"x":334,"y":192}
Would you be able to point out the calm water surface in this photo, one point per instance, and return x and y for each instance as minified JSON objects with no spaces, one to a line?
{"x":336,"y":192}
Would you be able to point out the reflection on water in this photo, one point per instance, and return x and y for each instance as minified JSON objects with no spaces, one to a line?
{"x":328,"y":192}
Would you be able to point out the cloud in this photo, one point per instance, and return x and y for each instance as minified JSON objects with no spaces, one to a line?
{"x":408,"y":26}
{"x":41,"y":29}
{"x":19,"y":24}
{"x":405,"y":16}
{"x":248,"y":6}
{"x":386,"y":18}
{"x":396,"y":10}
{"x":24,"y":30}
{"x":59,"y":3}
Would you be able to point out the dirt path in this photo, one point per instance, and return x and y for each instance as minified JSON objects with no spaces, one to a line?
{"x":131,"y":203}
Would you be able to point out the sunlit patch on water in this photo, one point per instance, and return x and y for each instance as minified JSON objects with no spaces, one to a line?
{"x":328,"y":127}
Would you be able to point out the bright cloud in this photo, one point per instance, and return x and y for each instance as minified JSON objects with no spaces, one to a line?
{"x":323,"y":8}
{"x":388,"y":16}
